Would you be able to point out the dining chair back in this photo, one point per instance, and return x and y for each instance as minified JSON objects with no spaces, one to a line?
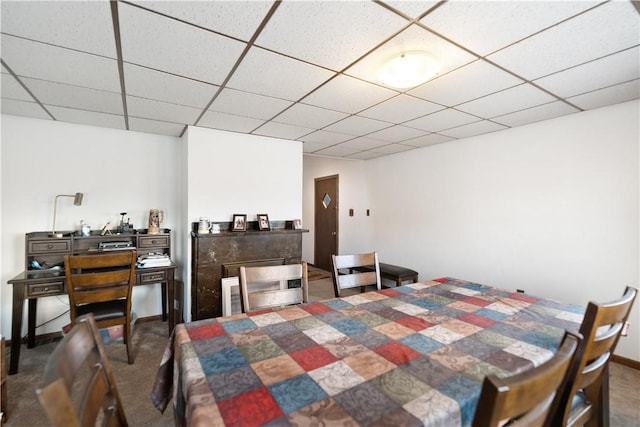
{"x":583,"y":402}
{"x":352,"y":271}
{"x":101,"y":284}
{"x":525,"y":399}
{"x":78,"y":387}
{"x":268,"y":286}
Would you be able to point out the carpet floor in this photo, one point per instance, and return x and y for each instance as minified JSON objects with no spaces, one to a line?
{"x":149,"y":340}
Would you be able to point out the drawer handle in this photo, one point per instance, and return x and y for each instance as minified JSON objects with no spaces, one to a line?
{"x":49,"y":246}
{"x":153,"y":242}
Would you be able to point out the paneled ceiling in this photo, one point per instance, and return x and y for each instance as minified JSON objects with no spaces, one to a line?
{"x":307,"y":70}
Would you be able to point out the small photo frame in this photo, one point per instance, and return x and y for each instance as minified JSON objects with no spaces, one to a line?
{"x":239,"y":222}
{"x":263,"y":222}
{"x":297,"y":224}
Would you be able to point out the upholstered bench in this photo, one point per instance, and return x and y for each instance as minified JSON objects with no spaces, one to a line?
{"x":394,"y":272}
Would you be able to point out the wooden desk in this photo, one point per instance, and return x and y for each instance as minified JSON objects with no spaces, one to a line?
{"x":31,"y":285}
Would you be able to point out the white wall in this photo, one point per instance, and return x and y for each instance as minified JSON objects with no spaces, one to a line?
{"x":231,"y":173}
{"x":552,"y":208}
{"x":118,"y":171}
{"x":355,"y":234}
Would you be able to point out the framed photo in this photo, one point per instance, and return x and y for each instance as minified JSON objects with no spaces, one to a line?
{"x":239,"y":222}
{"x":263,"y":222}
{"x":297,"y":224}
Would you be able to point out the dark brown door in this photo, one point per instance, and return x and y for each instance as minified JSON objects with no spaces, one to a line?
{"x":326,"y":221}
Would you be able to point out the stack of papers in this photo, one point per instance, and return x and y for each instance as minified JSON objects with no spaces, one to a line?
{"x":153,"y":260}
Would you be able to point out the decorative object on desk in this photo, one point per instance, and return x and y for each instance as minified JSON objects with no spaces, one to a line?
{"x":155,"y":218}
{"x":77,"y":201}
{"x":263,"y":222}
{"x":105,"y":229}
{"x":215,"y":228}
{"x":203,"y":226}
{"x":239,"y":222}
{"x":297,"y":224}
{"x":124,"y":227}
{"x":85,"y":229}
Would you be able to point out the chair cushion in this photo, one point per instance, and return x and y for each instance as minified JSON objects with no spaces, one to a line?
{"x":104,"y":310}
{"x":396,"y":270}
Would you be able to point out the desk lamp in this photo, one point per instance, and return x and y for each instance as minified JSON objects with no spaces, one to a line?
{"x":77,"y":201}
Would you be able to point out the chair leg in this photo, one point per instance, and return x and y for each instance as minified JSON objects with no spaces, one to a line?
{"x":127,"y":342}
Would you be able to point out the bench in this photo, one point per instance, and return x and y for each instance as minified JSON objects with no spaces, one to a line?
{"x":393,"y":272}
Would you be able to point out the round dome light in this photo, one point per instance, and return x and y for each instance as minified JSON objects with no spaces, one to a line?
{"x":408,"y":69}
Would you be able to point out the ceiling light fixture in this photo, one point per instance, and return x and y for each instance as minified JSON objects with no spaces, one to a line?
{"x":408,"y":69}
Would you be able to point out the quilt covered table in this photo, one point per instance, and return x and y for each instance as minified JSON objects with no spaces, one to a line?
{"x":412,"y":355}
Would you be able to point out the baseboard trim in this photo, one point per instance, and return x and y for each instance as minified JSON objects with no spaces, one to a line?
{"x":52,"y":336}
{"x":626,"y":362}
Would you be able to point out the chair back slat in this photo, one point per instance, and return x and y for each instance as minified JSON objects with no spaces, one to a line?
{"x":526,"y":398}
{"x":264,"y":287}
{"x":352,"y":271}
{"x":78,"y":387}
{"x":601,"y":328}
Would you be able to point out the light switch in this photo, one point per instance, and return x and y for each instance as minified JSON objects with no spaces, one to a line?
{"x":368,"y":212}
{"x":350,"y":212}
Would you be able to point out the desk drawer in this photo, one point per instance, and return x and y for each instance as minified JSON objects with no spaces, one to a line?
{"x":153,"y":277}
{"x":154,"y":241}
{"x":40,"y":247}
{"x":41,"y":289}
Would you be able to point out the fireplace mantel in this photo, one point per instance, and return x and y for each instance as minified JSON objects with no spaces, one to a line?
{"x":214,"y":256}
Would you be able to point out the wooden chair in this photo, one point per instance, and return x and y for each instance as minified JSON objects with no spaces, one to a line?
{"x":78,"y":387}
{"x":585,"y":401}
{"x":526,"y":398}
{"x":355,"y":278}
{"x":101,"y":284}
{"x":268,"y":286}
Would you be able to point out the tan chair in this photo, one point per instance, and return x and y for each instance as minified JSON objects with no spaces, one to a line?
{"x":268,"y":286}
{"x":101,"y":284}
{"x":78,"y":388}
{"x":585,"y":400}
{"x":346,"y":273}
{"x":525,"y":398}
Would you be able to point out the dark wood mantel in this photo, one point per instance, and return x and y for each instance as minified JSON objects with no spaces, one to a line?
{"x":214,"y":256}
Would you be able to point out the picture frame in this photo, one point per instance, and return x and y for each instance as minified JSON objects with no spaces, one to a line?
{"x":263,"y":222}
{"x":239,"y":222}
{"x":297,"y":224}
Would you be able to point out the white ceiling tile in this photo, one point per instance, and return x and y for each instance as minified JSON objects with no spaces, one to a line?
{"x":400,"y":109}
{"x":393,"y":148}
{"x":270,"y":74}
{"x":444,"y":119}
{"x":90,"y":118}
{"x":51,"y":21}
{"x":325,"y":137}
{"x":230,"y":122}
{"x":601,"y":31}
{"x":462,"y":85}
{"x":281,"y":130}
{"x":161,"y":111}
{"x":23,"y":108}
{"x":40,"y":61}
{"x":363,"y":143}
{"x":165,"y":44}
{"x":506,"y":101}
{"x":157,"y":85}
{"x":248,"y":104}
{"x":472,"y":129}
{"x":396,"y":133}
{"x":309,"y":116}
{"x":612,"y":95}
{"x":13,"y":90}
{"x":154,"y":126}
{"x":486,"y":26}
{"x":336,"y":151}
{"x":536,"y":114}
{"x":607,"y":71}
{"x":63,"y":95}
{"x":348,"y":95}
{"x":425,"y":141}
{"x":448,"y":55}
{"x":364,"y":155}
{"x":355,"y":125}
{"x":234,"y":18}
{"x":311,"y":147}
{"x":413,"y":9}
{"x":332,"y":34}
